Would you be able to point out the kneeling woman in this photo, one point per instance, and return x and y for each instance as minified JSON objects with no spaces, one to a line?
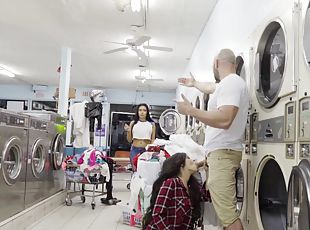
{"x":176,"y":196}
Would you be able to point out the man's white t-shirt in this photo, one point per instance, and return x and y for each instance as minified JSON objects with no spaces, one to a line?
{"x":231,"y":90}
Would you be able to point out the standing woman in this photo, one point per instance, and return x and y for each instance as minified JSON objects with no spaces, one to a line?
{"x":140,"y":132}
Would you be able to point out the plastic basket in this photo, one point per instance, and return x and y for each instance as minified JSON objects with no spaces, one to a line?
{"x":130,"y":218}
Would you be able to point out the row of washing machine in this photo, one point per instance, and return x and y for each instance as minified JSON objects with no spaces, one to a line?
{"x":31,"y":154}
{"x":273,"y":184}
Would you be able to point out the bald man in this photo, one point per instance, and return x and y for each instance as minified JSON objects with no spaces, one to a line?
{"x":225,"y":119}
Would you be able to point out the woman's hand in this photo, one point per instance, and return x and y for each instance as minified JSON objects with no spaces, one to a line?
{"x":126,"y":127}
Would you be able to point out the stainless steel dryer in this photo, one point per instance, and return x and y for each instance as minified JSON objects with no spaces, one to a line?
{"x":13,"y":156}
{"x":56,"y":128}
{"x":39,"y":171}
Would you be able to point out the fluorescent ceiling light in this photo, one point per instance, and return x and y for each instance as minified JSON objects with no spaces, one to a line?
{"x":135,"y":5}
{"x":5,"y":72}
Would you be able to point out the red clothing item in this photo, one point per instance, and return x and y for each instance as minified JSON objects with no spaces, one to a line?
{"x":172,"y":208}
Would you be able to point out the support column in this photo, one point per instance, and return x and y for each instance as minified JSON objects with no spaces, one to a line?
{"x":64,"y":81}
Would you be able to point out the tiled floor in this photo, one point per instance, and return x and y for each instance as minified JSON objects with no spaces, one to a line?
{"x":80,"y":216}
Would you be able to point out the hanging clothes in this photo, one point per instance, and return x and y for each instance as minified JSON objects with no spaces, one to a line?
{"x":93,"y":110}
{"x":80,"y":125}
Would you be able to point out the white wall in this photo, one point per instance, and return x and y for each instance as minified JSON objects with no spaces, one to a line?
{"x":230,"y":26}
{"x":117,"y":96}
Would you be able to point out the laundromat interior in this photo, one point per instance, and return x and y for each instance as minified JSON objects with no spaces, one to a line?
{"x":58,"y":57}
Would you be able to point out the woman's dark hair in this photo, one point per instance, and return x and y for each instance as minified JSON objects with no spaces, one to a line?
{"x":148,"y":117}
{"x":171,"y":169}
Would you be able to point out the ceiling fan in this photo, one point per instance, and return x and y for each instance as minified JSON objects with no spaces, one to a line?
{"x":147,"y":78}
{"x":134,"y":43}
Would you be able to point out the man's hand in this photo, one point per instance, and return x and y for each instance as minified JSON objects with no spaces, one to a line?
{"x":189,"y":82}
{"x":184,"y":106}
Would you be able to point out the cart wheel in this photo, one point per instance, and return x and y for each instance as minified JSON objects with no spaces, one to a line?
{"x":128,"y":186}
{"x":83,"y":199}
{"x":68,"y":202}
{"x":93,"y":205}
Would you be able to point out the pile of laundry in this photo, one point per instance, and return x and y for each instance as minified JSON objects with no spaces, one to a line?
{"x":90,"y":167}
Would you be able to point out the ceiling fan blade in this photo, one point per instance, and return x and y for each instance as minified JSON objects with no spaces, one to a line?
{"x":119,"y":43}
{"x":115,"y":50}
{"x":141,"y":40}
{"x":140,"y":54}
{"x":160,"y":48}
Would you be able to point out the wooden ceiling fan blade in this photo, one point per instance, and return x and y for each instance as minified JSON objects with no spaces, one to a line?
{"x":115,"y":50}
{"x":160,"y":48}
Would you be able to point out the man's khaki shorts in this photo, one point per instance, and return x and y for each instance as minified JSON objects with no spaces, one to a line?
{"x":223,"y":165}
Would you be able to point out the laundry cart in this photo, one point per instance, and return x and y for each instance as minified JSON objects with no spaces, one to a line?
{"x":76,"y":179}
{"x":85,"y":178}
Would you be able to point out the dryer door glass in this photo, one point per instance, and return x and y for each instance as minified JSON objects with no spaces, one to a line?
{"x":12,"y":163}
{"x":206,"y":98}
{"x":58,"y":152}
{"x":170,"y":121}
{"x":298,"y":197}
{"x":307,"y":36}
{"x":197,"y":105}
{"x":38,"y":158}
{"x":272,"y":196}
{"x":240,"y":69}
{"x":190,"y":122}
{"x":186,"y":122}
{"x":239,"y":189}
{"x":271,"y":53}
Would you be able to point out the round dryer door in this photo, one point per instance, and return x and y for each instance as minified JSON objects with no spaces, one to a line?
{"x":170,"y":121}
{"x":239,"y":189}
{"x":197,"y":105}
{"x":306,"y":38}
{"x":12,"y":161}
{"x":206,"y":98}
{"x":270,"y":195}
{"x":57,"y":152}
{"x":186,"y":122}
{"x":38,"y":158}
{"x":270,"y":65}
{"x":298,"y":210}
{"x":240,"y":69}
{"x":190,"y":121}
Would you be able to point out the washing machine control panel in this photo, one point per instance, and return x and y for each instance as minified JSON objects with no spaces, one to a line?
{"x":36,"y":124}
{"x":304,"y":119}
{"x":290,"y":151}
{"x":247,"y":133}
{"x":254,"y":126}
{"x":290,"y":124}
{"x":271,"y":130}
{"x":304,"y":150}
{"x":13,"y":120}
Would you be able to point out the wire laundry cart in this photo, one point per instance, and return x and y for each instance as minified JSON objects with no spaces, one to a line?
{"x":76,"y":179}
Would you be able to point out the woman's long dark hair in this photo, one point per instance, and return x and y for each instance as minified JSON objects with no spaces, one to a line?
{"x":171,"y":169}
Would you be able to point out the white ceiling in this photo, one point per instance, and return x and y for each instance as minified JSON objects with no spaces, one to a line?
{"x":32,"y":33}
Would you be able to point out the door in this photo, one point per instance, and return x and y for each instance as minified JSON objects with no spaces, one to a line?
{"x":299,"y":197}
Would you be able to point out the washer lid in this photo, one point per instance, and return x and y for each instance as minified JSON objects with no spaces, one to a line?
{"x":298,"y":210}
{"x":170,"y":121}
